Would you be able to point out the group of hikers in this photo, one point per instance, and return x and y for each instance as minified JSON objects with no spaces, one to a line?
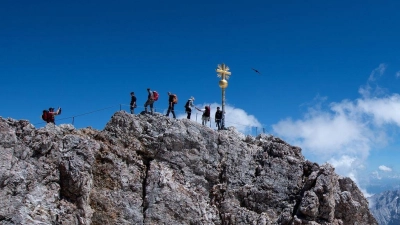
{"x":49,"y":115}
{"x":172,"y":100}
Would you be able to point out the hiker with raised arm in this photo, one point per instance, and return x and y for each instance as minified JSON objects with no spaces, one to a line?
{"x":49,"y":115}
{"x":206,"y":114}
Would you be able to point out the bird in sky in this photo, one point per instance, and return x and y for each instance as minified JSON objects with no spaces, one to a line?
{"x":256,"y":71}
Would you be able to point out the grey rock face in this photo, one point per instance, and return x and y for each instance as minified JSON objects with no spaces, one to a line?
{"x":149,"y":169}
{"x":386,"y":207}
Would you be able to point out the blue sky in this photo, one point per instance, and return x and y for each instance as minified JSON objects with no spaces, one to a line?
{"x":330,"y":70}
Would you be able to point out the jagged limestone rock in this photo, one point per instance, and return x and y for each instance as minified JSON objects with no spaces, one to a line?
{"x":150,"y":169}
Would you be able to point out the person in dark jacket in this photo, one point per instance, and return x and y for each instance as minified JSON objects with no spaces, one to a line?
{"x":171,"y":104}
{"x":218,"y":118}
{"x":133,"y":102}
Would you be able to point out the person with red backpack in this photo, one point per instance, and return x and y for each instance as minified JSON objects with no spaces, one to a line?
{"x":49,"y":116}
{"x":151,"y":98}
{"x":172,"y":100}
{"x":206,"y":114}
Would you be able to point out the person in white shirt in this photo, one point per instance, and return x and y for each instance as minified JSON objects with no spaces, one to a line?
{"x":188,"y":107}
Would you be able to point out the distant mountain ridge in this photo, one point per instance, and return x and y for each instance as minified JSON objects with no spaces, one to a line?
{"x":386,"y":207}
{"x":150,"y":169}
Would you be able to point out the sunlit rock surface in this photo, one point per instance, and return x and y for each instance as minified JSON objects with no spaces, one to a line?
{"x":150,"y":169}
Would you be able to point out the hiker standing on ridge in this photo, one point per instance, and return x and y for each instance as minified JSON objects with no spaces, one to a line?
{"x":218,"y":118}
{"x":188,"y":107}
{"x":172,"y":100}
{"x":133,"y":102}
{"x":206,"y":114}
{"x":151,"y":98}
{"x":51,"y":115}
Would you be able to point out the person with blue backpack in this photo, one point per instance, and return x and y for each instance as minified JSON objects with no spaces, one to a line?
{"x":188,"y":107}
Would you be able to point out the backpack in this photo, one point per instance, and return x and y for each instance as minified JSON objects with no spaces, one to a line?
{"x":187,"y":104}
{"x":155,"y":95}
{"x":207,"y":112}
{"x":45,"y":115}
{"x":174,"y":99}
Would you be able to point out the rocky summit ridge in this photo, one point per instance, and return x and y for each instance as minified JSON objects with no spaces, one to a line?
{"x":150,"y":169}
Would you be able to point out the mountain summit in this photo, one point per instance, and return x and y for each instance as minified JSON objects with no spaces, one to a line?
{"x":150,"y":169}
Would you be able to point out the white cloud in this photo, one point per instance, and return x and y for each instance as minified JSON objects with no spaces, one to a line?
{"x":365,"y":193}
{"x":385,"y":168}
{"x":239,"y":118}
{"x":343,"y":133}
{"x":365,"y":90}
{"x":377,"y":72}
{"x":326,"y":133}
{"x":383,"y":110}
{"x":349,"y":166}
{"x":344,"y":164}
{"x":376,"y":175}
{"x":398,"y":74}
{"x":235,"y":117}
